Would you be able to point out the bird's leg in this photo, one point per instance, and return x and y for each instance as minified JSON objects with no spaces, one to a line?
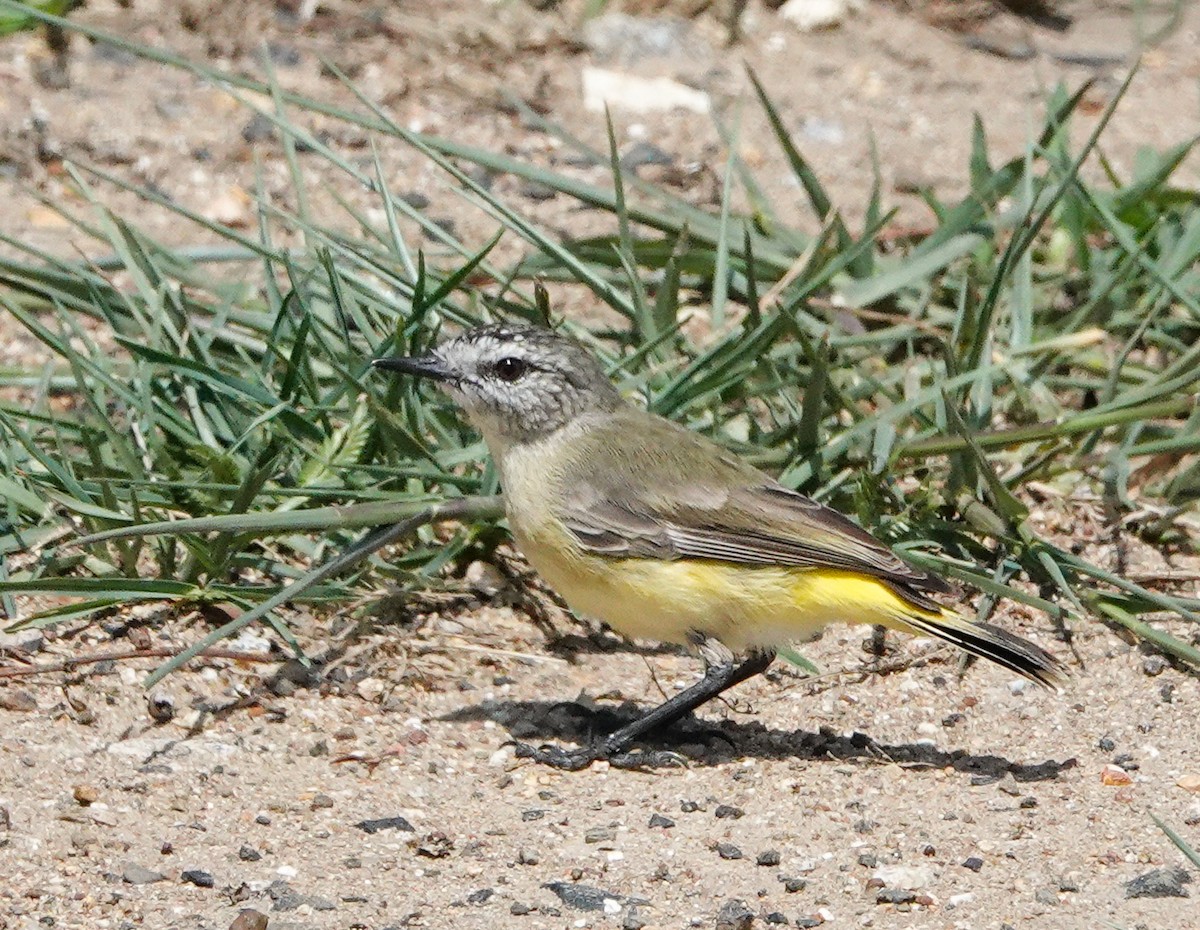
{"x":719,"y":675}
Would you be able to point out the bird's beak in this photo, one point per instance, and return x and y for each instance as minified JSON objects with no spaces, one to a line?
{"x":423,"y":366}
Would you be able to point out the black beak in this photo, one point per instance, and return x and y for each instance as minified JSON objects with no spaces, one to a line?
{"x":423,"y":366}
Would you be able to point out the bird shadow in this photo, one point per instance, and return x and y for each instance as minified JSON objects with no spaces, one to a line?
{"x":718,"y":742}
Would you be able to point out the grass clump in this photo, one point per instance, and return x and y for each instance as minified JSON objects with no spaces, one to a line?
{"x":213,"y":423}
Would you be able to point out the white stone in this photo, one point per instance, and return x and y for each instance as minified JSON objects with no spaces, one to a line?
{"x":812,"y":15}
{"x":636,"y":94}
{"x":904,"y":876}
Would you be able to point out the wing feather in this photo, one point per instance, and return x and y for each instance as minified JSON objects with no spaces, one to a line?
{"x":759,"y":526}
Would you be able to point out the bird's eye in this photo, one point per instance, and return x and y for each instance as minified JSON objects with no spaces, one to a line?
{"x":510,"y":369}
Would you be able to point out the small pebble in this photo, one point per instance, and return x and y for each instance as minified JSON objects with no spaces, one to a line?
{"x":249,"y":919}
{"x":85,"y":795}
{"x":1106,"y":745}
{"x":160,"y":707}
{"x":385,"y":823}
{"x":768,"y":857}
{"x":581,"y":897}
{"x":481,"y":896}
{"x":1159,"y":883}
{"x":689,"y":807}
{"x":735,"y":915}
{"x":793,"y":885}
{"x":285,"y":899}
{"x":536,"y":190}
{"x":645,"y":153}
{"x":1114,"y":775}
{"x":868,"y":860}
{"x":258,"y":129}
{"x":728,"y":851}
{"x":1126,"y":761}
{"x":134,"y":874}
{"x":728,"y":812}
{"x":777,"y":918}
{"x":1154,"y":665}
{"x":197,"y":877}
{"x":19,"y":702}
{"x":249,"y":854}
{"x":658,"y":820}
{"x":520,"y":910}
{"x":1190,"y":782}
{"x":286,"y":56}
{"x":600,"y":835}
{"x":528,"y":857}
{"x":321,"y":802}
{"x":263,"y":820}
{"x":974,"y":863}
{"x":895,"y":896}
{"x":1046,"y":896}
{"x":435,"y":845}
{"x":445,"y":224}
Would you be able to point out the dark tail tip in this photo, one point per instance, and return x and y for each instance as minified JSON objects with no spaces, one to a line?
{"x":996,"y":645}
{"x":1020,"y":655}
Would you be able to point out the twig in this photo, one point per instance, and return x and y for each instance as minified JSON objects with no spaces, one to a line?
{"x":159,"y":652}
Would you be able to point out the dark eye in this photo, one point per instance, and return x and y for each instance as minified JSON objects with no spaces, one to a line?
{"x":510,"y":369}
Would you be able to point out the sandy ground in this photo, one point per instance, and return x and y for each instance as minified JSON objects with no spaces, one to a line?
{"x":986,"y":799}
{"x":863,"y":794}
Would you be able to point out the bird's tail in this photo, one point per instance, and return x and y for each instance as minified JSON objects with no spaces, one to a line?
{"x":990,"y":642}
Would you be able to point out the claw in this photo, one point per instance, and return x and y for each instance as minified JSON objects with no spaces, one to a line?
{"x":647,"y":760}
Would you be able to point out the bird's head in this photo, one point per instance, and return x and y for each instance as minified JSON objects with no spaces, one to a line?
{"x":516,"y":383}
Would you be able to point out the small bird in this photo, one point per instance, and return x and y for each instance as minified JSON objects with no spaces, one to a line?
{"x":663,"y":534}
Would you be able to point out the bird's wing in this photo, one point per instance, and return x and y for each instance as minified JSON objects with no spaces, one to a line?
{"x":756,"y":526}
{"x":688,"y":498}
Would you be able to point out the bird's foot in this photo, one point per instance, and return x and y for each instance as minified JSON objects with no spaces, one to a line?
{"x":572,"y":761}
{"x":556,"y":757}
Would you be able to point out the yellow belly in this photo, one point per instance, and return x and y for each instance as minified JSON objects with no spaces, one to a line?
{"x":743,"y":607}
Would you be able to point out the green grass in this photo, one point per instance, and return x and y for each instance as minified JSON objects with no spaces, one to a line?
{"x":14,"y":19}
{"x":1046,"y":330}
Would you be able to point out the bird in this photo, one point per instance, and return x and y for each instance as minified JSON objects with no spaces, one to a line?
{"x":663,"y":534}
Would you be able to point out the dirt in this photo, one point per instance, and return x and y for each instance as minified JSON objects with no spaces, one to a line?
{"x":888,"y":793}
